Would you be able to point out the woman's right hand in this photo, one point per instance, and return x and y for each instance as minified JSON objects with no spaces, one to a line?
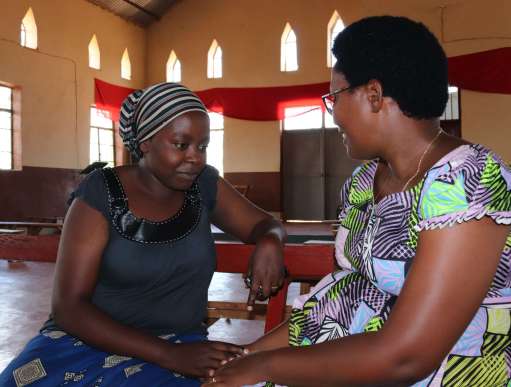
{"x":200,"y":359}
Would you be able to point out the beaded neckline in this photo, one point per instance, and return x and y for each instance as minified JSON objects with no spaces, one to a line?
{"x":142,"y":230}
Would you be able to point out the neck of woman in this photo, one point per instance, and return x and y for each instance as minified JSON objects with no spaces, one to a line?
{"x":151,"y":185}
{"x":407,"y":148}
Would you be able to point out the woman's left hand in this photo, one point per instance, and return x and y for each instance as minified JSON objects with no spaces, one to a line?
{"x":237,"y":216}
{"x":242,"y":371}
{"x":266,"y":271}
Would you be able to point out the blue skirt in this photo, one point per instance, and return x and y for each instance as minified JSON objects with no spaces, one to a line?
{"x":54,"y":358}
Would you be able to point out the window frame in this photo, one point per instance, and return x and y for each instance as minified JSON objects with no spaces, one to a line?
{"x":285,"y":66}
{"x":97,"y":128}
{"x":217,"y":129}
{"x":94,"y":53}
{"x":452,"y":125}
{"x":28,"y":31}
{"x":126,"y":65}
{"x":215,"y":65}
{"x":330,"y":59}
{"x":313,"y":108}
{"x":10,"y":111}
{"x":171,"y":71}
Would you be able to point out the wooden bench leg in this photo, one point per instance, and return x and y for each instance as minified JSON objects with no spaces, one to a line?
{"x":276,"y":308}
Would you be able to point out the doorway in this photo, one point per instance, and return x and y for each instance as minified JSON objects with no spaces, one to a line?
{"x":314,"y":167}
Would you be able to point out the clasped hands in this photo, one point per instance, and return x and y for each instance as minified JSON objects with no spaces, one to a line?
{"x":246,"y":368}
{"x":266,"y":275}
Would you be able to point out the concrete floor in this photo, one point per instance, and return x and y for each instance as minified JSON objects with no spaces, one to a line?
{"x":25,"y":303}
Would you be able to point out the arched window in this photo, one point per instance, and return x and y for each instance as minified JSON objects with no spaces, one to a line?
{"x":173,"y":68}
{"x":288,"y":50}
{"x":335,"y":25}
{"x":28,"y":30}
{"x":94,"y":54}
{"x":125,"y":65}
{"x":215,"y":60}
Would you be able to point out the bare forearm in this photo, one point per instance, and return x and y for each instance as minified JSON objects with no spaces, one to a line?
{"x":97,"y":329}
{"x":275,"y":339}
{"x":338,"y":363}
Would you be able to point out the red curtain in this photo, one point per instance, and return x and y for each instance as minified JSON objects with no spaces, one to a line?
{"x":262,"y":103}
{"x":486,"y":71}
{"x":250,"y":103}
{"x":109,"y":97}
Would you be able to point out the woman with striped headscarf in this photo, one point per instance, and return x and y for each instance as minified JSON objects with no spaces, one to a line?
{"x":137,"y":256}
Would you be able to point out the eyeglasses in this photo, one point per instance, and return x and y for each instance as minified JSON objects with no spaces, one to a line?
{"x":330,"y":99}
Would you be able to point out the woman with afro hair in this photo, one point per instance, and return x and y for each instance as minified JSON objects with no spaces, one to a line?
{"x":423,"y":294}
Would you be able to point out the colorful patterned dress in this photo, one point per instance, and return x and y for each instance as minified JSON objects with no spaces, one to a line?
{"x":375,"y":247}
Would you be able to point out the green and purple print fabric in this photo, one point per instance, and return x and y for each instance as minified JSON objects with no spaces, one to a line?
{"x":375,"y":247}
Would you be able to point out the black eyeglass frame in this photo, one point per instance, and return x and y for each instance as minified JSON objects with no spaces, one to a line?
{"x":328,"y":97}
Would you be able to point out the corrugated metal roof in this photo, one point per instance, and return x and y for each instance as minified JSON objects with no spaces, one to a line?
{"x":140,"y":12}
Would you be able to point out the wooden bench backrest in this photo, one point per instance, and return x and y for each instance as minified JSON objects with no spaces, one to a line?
{"x":304,"y":262}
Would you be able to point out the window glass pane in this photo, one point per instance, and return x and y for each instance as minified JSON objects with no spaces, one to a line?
{"x":455,"y":107}
{"x":453,"y":101}
{"x":291,"y":54}
{"x":94,"y":135}
{"x":338,"y":27}
{"x":100,"y":118}
{"x":303,"y":117}
{"x":5,"y":98}
{"x":94,"y":151}
{"x":5,"y":140}
{"x":5,"y":160}
{"x":291,"y":37}
{"x":23,"y":35}
{"x":329,"y":121}
{"x":5,"y":120}
{"x":452,"y":109}
{"x":216,"y":121}
{"x":94,"y":54}
{"x":177,"y":72}
{"x":125,"y":65}
{"x":106,"y":137}
{"x":291,"y":60}
{"x":217,"y":63}
{"x":215,"y":153}
{"x":106,"y":153}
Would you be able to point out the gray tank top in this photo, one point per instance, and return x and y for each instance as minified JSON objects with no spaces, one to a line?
{"x":154,"y":275}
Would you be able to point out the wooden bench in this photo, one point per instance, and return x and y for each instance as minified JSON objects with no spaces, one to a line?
{"x":304,"y":263}
{"x":11,"y":231}
{"x":29,"y":247}
{"x":31,"y":227}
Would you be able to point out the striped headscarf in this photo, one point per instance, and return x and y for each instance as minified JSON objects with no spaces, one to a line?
{"x":145,"y":112}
